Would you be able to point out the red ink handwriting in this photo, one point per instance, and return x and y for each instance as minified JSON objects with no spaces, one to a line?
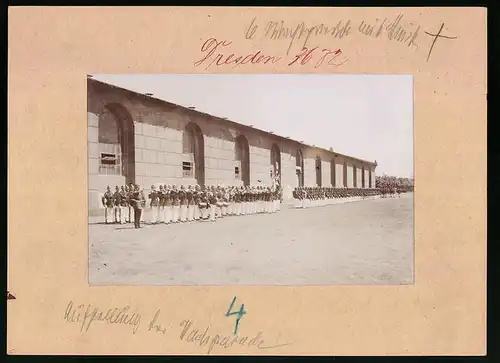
{"x":331,"y":56}
{"x":212,"y":45}
{"x":213,"y":54}
{"x":305,"y":56}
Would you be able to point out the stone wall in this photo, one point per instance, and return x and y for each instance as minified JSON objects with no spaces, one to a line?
{"x":158,"y":129}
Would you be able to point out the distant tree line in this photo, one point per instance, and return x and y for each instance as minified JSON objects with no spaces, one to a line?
{"x":393,"y":182}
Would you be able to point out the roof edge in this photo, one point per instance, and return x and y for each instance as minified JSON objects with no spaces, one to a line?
{"x":221,"y":119}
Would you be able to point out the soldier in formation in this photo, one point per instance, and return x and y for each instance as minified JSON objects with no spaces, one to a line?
{"x":171,"y":204}
{"x":123,"y":205}
{"x":391,"y":192}
{"x":153,"y":205}
{"x":116,"y":205}
{"x":108,"y":203}
{"x":392,"y":187}
{"x":319,"y":196}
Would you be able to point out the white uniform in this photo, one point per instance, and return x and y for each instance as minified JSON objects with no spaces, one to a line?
{"x":183,"y":212}
{"x":168,"y":213}
{"x":213,"y":207}
{"x":224,"y":205}
{"x":229,"y":208}
{"x":190,"y":212}
{"x":175,"y":208}
{"x":161,"y":208}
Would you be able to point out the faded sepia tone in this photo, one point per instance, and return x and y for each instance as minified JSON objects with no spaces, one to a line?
{"x":51,"y":51}
{"x":283,"y":208}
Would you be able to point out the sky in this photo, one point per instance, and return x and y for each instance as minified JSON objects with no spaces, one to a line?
{"x":365,"y":116}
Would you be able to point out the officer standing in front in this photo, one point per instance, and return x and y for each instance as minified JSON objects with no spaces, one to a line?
{"x":137,"y":202}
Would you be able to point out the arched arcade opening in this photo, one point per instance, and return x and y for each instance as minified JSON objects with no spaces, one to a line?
{"x":333,"y":173}
{"x":318,"y":171}
{"x":354,"y":176}
{"x":344,"y":175}
{"x":362,"y":177}
{"x":193,"y":144}
{"x":276,"y":163}
{"x":116,"y":142}
{"x":242,"y":156}
{"x":299,"y":168}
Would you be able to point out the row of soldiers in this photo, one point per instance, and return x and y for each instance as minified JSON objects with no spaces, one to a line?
{"x":172,"y":204}
{"x":391,"y":192}
{"x":315,"y":196}
{"x":119,"y":205}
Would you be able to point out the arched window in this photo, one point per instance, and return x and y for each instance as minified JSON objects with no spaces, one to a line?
{"x":193,"y":163}
{"x":344,"y":175}
{"x":188,"y":141}
{"x":188,"y":162}
{"x":333,"y":176}
{"x":299,"y":167}
{"x":276,"y":163}
{"x":318,"y":171}
{"x":109,"y":144}
{"x":116,"y":142}
{"x":238,"y":150}
{"x":242,"y":160}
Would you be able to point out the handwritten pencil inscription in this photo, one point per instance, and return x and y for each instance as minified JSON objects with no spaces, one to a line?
{"x":319,"y":44}
{"x":435,"y":38}
{"x":205,"y":339}
{"x":88,"y":317}
{"x":155,"y":325}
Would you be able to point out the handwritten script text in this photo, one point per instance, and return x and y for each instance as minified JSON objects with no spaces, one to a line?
{"x":396,"y":30}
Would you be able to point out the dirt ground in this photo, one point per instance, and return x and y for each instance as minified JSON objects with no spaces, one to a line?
{"x":359,"y":243}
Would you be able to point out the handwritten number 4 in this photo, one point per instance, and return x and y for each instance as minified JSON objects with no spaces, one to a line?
{"x":238,"y":313}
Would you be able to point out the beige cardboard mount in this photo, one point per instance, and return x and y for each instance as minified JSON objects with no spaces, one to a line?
{"x":52,"y":49}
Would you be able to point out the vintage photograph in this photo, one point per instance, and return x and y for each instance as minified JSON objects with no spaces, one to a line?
{"x":232,"y":179}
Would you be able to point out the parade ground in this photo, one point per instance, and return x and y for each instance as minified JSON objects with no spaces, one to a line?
{"x":366,"y":242}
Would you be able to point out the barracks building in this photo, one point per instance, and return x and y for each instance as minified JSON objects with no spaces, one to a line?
{"x":136,"y":138}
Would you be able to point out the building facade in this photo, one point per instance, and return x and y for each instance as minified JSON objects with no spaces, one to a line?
{"x":136,"y":138}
